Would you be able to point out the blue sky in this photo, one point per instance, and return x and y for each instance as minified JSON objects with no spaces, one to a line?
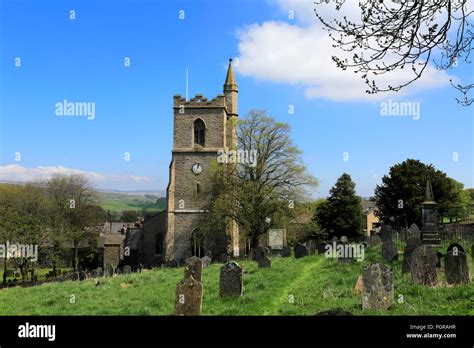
{"x":83,"y":60}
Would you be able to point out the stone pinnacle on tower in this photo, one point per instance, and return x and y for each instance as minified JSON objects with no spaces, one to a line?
{"x":429,"y":197}
{"x":230,"y":84}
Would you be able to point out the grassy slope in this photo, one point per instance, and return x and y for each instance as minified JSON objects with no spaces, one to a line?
{"x":316,"y":283}
{"x":122,"y":201}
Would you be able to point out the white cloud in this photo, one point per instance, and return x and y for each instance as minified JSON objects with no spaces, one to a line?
{"x":301,"y":54}
{"x":18,"y":173}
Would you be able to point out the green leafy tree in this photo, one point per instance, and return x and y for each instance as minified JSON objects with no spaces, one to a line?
{"x":402,"y":191}
{"x":254,"y":192}
{"x":341,"y":214}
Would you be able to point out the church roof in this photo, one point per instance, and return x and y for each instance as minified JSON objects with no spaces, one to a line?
{"x":230,"y":79}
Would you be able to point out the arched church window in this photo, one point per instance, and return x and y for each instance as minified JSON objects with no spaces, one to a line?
{"x":199,"y":132}
{"x":197,"y":243}
{"x":158,"y":244}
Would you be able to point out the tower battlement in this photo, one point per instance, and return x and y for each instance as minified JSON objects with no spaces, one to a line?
{"x":199,"y":101}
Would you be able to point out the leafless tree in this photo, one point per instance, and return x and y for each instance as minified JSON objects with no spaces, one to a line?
{"x":393,"y":35}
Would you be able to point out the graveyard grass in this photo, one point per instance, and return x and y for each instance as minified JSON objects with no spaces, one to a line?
{"x":291,"y":286}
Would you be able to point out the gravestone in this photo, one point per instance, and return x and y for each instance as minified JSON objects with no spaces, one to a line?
{"x":322,"y":247}
{"x":344,"y":239}
{"x":82,"y":276}
{"x":230,"y":283}
{"x":375,"y":240}
{"x":224,"y":258}
{"x":188,"y":297}
{"x":412,"y":244}
{"x":423,"y":267}
{"x":251,"y":254}
{"x":208,"y":253}
{"x":276,"y":238}
{"x":311,"y":246}
{"x":118,"y":271}
{"x":300,"y":251}
{"x":413,"y":231}
{"x":109,"y":270}
{"x":172,"y":264}
{"x":193,"y":267}
{"x":260,"y":252}
{"x":456,"y":266}
{"x":206,"y":261}
{"x":264,"y":262}
{"x":377,"y":287}
{"x":100,"y":272}
{"x":389,"y":251}
{"x":347,"y":254}
{"x":286,"y":251}
{"x":387,"y":234}
{"x":334,"y":240}
{"x":94,"y":274}
{"x":127,"y":269}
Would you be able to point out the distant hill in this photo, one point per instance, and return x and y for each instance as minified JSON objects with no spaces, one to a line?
{"x":119,"y":201}
{"x":116,"y":200}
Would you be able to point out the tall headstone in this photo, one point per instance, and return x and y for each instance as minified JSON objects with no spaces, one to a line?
{"x":188,"y":297}
{"x":455,"y":265}
{"x":231,"y":280}
{"x":377,"y":287}
{"x":429,"y":234}
{"x":389,"y":251}
{"x":300,"y":251}
{"x":193,"y":266}
{"x":423,"y":268}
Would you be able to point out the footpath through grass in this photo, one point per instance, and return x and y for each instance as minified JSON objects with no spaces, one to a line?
{"x":290,"y":287}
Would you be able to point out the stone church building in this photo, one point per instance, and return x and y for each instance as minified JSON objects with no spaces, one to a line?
{"x":201,"y":128}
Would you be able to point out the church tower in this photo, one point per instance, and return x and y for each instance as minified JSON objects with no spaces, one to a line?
{"x":429,"y":228}
{"x":202,"y":127}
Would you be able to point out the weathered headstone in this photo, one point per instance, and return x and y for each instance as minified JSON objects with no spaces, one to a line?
{"x":389,"y":251}
{"x":231,"y":282}
{"x":412,"y":244}
{"x":377,"y":287}
{"x":118,"y":271}
{"x":387,"y":233}
{"x":109,"y":270}
{"x":300,"y":251}
{"x":193,"y":266}
{"x":127,"y":269}
{"x":286,"y":251}
{"x":188,"y":297}
{"x":264,"y":262}
{"x":334,"y":239}
{"x":423,"y":266}
{"x":100,"y":272}
{"x":311,"y":246}
{"x":344,"y":239}
{"x":206,"y":261}
{"x":375,"y":240}
{"x":94,"y":274}
{"x":455,"y":265}
{"x":414,"y":231}
{"x":82,"y":275}
{"x":260,"y":252}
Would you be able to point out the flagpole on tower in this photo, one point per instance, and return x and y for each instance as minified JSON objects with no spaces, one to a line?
{"x":186,"y":84}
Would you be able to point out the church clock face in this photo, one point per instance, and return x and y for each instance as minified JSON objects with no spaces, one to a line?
{"x":197,"y":168}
